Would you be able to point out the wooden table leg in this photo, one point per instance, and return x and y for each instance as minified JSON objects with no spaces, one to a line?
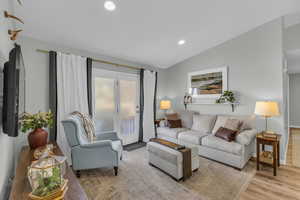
{"x":263,"y":147}
{"x":257,"y":155}
{"x":278,"y":154}
{"x":275,"y":158}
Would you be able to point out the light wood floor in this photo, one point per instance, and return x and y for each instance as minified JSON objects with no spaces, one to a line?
{"x":286,"y":185}
{"x":293,"y":154}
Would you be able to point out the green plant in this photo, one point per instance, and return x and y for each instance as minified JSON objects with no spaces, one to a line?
{"x":34,"y":121}
{"x":227,"y":96}
{"x":48,"y":184}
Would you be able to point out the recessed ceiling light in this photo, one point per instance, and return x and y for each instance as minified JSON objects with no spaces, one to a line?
{"x":109,"y":5}
{"x":181,"y":42}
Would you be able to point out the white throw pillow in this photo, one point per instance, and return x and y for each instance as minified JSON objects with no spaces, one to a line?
{"x":203,"y":123}
{"x":221,"y":120}
{"x":186,"y":117}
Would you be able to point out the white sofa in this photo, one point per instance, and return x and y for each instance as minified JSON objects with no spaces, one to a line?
{"x":236,"y":153}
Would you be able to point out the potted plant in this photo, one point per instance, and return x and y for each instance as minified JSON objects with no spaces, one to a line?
{"x":227,"y":97}
{"x":37,"y":122}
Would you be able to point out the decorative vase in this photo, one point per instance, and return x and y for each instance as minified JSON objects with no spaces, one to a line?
{"x":37,"y":138}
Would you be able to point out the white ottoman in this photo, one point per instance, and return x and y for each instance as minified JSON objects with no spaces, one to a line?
{"x":170,"y":160}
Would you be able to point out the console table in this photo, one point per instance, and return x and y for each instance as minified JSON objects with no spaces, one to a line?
{"x":21,"y":187}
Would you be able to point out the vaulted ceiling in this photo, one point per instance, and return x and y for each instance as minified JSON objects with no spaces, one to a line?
{"x":147,"y":31}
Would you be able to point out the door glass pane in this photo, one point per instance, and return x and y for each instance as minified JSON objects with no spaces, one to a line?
{"x":104,"y":104}
{"x":128,"y":122}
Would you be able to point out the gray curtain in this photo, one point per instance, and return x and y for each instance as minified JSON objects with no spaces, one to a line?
{"x":53,"y":92}
{"x":155,"y":103}
{"x":89,"y":62}
{"x":141,"y":130}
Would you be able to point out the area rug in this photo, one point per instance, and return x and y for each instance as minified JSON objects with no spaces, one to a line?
{"x":134,"y":146}
{"x":138,"y":181}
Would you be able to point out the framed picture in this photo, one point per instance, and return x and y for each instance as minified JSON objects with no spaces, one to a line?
{"x":210,"y":83}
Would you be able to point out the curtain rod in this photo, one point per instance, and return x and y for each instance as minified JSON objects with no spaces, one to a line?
{"x":100,"y":61}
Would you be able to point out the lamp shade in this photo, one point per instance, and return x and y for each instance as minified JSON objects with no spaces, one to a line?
{"x":165,"y":105}
{"x":266,"y":108}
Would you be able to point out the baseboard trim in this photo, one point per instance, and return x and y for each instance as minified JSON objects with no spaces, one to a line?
{"x":292,"y":126}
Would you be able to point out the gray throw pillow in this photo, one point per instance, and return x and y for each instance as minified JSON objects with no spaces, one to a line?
{"x":204,"y":123}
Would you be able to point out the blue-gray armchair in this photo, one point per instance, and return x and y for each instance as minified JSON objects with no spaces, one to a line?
{"x":106,"y":151}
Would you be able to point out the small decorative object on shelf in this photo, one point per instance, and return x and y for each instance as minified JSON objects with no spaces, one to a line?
{"x":227,"y":97}
{"x":36,"y":122}
{"x":187,"y":99}
{"x":46,"y":178}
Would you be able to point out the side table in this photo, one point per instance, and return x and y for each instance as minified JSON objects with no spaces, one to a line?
{"x":268,"y":157}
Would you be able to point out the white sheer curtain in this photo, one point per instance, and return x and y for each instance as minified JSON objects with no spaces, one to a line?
{"x":149,"y":89}
{"x":71,"y":93}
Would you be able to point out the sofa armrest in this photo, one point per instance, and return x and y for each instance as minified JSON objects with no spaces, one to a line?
{"x":245,"y":137}
{"x":107,"y":136}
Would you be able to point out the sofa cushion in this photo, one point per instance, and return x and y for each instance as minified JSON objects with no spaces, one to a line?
{"x":203,"y":123}
{"x":222,"y":145}
{"x":193,"y":137}
{"x":187,"y":118}
{"x":170,"y":132}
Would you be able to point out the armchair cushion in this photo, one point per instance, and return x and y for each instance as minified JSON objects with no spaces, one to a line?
{"x":246,"y":137}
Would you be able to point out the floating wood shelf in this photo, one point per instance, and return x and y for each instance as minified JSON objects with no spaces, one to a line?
{"x":213,"y":103}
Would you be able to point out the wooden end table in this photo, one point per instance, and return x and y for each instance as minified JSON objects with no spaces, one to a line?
{"x":268,"y":157}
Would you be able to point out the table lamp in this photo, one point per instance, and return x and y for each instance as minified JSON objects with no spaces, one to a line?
{"x":266,"y":109}
{"x":165,"y":105}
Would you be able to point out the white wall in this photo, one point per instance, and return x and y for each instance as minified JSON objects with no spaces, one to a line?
{"x":255,"y":73}
{"x":295,"y":100}
{"x":6,"y":143}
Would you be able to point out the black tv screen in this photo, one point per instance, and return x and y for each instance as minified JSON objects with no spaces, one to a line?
{"x":13,"y":92}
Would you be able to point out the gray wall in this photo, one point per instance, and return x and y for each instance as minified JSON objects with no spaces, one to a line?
{"x":295,"y":100}
{"x":6,"y":143}
{"x":292,"y":38}
{"x":255,"y":73}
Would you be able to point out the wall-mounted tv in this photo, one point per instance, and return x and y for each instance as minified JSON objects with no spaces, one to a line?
{"x":13,"y":92}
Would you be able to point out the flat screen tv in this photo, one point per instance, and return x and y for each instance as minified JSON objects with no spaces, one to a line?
{"x":13,"y":92}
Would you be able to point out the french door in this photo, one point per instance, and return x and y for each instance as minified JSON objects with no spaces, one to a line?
{"x":116,"y":100}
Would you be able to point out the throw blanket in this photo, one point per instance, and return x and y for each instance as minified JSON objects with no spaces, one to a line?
{"x":88,"y":125}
